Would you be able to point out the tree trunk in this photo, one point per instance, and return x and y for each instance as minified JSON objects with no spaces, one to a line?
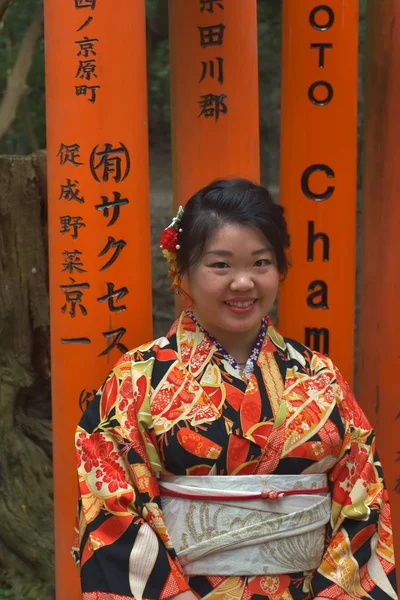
{"x":26,"y":510}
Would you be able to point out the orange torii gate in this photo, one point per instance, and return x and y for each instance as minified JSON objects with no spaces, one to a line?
{"x":214,"y":93}
{"x":100,"y":277}
{"x":99,"y":225}
{"x":380,"y":274}
{"x":318,"y":174}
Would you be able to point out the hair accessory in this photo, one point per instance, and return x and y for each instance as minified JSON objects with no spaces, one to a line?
{"x":169,"y":246}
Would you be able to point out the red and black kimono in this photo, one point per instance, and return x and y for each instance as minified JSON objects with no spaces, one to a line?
{"x":176,"y":406}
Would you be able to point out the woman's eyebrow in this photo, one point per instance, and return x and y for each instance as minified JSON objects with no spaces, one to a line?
{"x":228,"y":253}
{"x":262,"y":250}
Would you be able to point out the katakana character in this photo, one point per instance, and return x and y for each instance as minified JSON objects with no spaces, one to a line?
{"x":112,"y":243}
{"x":113,"y":205}
{"x":117,"y":334}
{"x":111,"y":294}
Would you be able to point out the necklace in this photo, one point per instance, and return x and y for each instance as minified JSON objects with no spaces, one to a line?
{"x":247,"y":367}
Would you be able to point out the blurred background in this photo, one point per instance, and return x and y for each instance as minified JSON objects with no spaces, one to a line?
{"x":26,"y":533}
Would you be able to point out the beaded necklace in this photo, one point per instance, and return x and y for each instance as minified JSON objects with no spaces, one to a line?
{"x":255,"y":353}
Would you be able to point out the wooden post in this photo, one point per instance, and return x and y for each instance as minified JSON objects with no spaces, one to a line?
{"x":318,"y":174}
{"x":99,"y":232}
{"x":214,"y":91}
{"x":379,"y":355}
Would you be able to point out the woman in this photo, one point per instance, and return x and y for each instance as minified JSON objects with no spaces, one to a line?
{"x":223,"y":461}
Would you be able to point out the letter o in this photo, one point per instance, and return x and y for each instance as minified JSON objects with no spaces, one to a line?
{"x":305,"y":178}
{"x":331,"y":17}
{"x":329,"y":93}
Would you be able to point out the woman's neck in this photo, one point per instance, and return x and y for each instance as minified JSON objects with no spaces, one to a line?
{"x":238,"y":344}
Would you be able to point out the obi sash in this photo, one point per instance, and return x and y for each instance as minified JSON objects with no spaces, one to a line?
{"x":246,"y":525}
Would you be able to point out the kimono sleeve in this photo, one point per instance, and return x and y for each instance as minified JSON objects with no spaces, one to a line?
{"x":123,"y":549}
{"x":359,"y":560}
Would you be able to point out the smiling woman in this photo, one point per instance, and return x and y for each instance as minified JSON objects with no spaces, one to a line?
{"x":233,"y":286}
{"x":223,"y":460}
{"x":232,"y":240}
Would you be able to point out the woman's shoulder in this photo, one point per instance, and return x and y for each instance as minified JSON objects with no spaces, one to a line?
{"x":321,"y":369}
{"x":144,"y":352}
{"x":312,"y":360}
{"x":126,"y":382}
{"x":305,"y":363}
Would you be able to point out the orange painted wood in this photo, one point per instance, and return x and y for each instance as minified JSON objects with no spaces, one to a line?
{"x":91,"y":132}
{"x":214,"y":92}
{"x":318,"y":173}
{"x":379,"y":355}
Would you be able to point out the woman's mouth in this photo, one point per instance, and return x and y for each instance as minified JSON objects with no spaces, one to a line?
{"x":240,"y":306}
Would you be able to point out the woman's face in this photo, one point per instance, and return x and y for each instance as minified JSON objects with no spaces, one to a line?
{"x":235,"y":283}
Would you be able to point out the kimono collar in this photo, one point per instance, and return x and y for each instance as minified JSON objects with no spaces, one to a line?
{"x":195,"y":347}
{"x":255,"y":353}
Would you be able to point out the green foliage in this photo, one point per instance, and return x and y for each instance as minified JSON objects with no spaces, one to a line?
{"x":269,"y":57}
{"x":159,"y":90}
{"x":269,"y":66}
{"x":9,"y":595}
{"x":29,"y":129}
{"x":158,"y":10}
{"x":158,"y":69}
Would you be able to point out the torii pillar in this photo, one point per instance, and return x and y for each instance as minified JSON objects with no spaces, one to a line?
{"x":319,"y":174}
{"x":99,"y":229}
{"x":379,"y":343}
{"x":214,"y":92}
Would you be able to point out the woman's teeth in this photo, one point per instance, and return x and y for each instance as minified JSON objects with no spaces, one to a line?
{"x":241,"y":304}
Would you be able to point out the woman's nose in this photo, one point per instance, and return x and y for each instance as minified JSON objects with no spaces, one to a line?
{"x":242,"y":281}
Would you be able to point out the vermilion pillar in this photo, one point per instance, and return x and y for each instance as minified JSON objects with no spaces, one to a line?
{"x":318,"y":174}
{"x":379,"y":352}
{"x":214,"y":92}
{"x":99,"y":233}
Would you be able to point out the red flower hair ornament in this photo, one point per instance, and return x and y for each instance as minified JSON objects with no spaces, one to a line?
{"x":169,"y":246}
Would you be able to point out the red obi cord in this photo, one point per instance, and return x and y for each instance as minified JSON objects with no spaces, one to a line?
{"x":271,"y":495}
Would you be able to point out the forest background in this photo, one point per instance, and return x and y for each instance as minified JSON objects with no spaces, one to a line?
{"x":26,"y":518}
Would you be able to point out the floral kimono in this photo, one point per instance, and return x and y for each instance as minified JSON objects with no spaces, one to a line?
{"x":176,"y":406}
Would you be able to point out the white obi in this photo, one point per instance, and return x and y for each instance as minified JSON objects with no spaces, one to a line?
{"x":243,"y":536}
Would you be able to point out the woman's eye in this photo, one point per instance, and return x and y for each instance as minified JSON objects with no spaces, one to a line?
{"x":263,"y":262}
{"x":220,"y":265}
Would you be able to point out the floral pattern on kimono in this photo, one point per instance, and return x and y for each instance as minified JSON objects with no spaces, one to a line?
{"x":176,"y":406}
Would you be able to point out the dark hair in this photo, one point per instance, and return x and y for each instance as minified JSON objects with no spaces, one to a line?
{"x":233,"y":202}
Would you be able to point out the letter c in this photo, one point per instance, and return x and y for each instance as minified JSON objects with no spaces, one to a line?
{"x":305,"y":182}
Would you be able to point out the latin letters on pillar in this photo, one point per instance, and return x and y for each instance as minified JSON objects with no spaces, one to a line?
{"x":314,"y":334}
{"x":312,"y":238}
{"x":305,"y":185}
{"x":322,"y":48}
{"x":318,"y":289}
{"x":329,"y":14}
{"x":328,"y":91}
